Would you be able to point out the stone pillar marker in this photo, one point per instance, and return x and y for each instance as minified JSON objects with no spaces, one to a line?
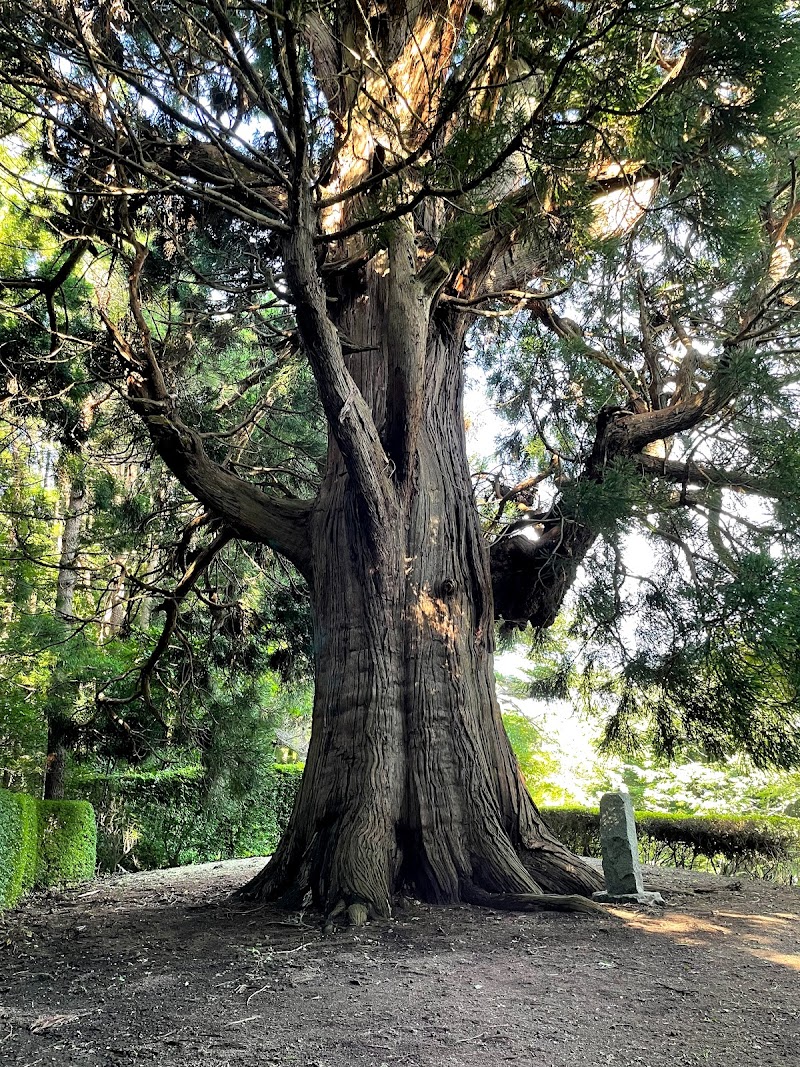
{"x":620,"y":852}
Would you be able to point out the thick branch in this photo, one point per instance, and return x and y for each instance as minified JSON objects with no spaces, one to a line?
{"x":530,"y":578}
{"x":688,"y":472}
{"x":627,"y":434}
{"x":349,"y":417}
{"x":408,"y":305}
{"x":250,"y":513}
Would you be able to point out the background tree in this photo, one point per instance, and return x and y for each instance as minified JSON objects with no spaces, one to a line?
{"x":98,"y":548}
{"x":688,"y":322}
{"x":357,"y":184}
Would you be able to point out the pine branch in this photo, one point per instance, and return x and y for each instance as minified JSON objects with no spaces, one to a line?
{"x":690,"y":472}
{"x":251,"y":513}
{"x":171,"y":606}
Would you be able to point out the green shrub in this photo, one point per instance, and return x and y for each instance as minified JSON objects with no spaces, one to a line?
{"x":42,"y":843}
{"x":578,"y":828}
{"x":261,"y":830}
{"x":286,"y":783}
{"x":18,"y":846}
{"x":152,"y":819}
{"x":765,"y":846}
{"x":67,"y":842}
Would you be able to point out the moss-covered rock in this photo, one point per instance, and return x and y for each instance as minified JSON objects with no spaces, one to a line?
{"x":19,"y":836}
{"x":67,"y":842}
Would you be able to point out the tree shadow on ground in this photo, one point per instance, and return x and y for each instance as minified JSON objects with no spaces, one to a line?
{"x":164,"y":967}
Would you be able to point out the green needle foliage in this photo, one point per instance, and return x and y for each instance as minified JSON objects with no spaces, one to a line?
{"x":237,"y":655}
{"x":684,"y":616}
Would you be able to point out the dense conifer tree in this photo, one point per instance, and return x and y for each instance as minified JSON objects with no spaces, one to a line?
{"x":355,"y":185}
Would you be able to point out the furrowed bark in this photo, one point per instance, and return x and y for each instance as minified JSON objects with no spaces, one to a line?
{"x":350,"y":421}
{"x":410,"y":781}
{"x":409,"y":298}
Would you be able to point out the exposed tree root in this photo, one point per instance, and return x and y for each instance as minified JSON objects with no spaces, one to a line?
{"x":494,"y":874}
{"x":559,"y":872}
{"x":357,"y":914}
{"x":530,"y":901}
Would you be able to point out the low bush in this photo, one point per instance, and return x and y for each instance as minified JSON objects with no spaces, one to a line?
{"x":152,"y":819}
{"x":18,"y":846}
{"x":578,"y":828}
{"x":43,"y":843}
{"x":767,"y":847}
{"x":67,"y":842}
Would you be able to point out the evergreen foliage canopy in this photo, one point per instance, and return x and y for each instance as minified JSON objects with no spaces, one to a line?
{"x":262,"y":220}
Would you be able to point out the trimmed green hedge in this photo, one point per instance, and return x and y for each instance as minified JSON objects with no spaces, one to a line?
{"x":19,"y":837}
{"x":43,"y":843}
{"x":152,"y":819}
{"x":765,"y":846}
{"x":67,"y":842}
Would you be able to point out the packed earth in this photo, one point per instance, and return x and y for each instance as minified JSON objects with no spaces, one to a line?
{"x":165,"y":967}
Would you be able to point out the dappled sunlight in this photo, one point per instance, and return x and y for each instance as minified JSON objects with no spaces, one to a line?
{"x":616,"y":212}
{"x":783,"y":959}
{"x":435,"y":614}
{"x":759,"y":936}
{"x":685,"y":929}
{"x":769,"y":921}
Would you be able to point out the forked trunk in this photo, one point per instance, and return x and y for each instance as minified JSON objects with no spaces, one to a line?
{"x":410,"y":783}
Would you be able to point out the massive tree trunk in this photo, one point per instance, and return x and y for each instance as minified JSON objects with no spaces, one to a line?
{"x":410,"y":782}
{"x":398,"y":162}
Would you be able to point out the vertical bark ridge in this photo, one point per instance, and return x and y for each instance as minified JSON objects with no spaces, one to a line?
{"x":350,"y":418}
{"x":342,"y":831}
{"x":410,"y":780}
{"x":406,"y":335}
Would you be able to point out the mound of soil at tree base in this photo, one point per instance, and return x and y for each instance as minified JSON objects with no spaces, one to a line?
{"x":163,"y":967}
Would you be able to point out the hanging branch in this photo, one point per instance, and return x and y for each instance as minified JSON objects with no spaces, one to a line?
{"x":172,"y":605}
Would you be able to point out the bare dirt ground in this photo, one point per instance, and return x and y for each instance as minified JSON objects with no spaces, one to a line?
{"x":164,"y":968}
